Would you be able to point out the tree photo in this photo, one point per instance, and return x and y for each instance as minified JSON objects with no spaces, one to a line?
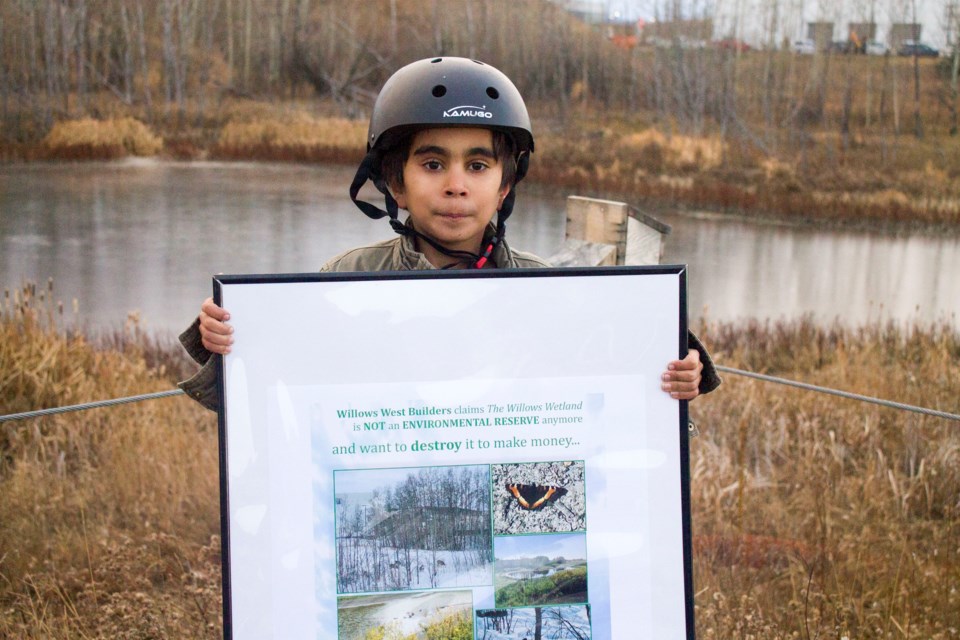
{"x":555,"y":623}
{"x":399,"y":529}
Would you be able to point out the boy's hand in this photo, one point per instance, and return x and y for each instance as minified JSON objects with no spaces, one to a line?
{"x":682,"y":378}
{"x":217,"y":336}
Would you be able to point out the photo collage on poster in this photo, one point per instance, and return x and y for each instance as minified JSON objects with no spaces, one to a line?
{"x":492,"y":551}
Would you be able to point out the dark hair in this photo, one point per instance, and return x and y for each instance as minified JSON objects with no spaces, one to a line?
{"x":395,"y":152}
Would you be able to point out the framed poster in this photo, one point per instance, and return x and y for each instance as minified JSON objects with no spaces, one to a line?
{"x":478,"y":453}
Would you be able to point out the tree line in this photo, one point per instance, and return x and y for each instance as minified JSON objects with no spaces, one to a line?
{"x":171,"y":61}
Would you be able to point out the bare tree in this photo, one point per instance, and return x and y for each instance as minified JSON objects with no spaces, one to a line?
{"x":127,"y":70}
{"x":144,"y":60}
{"x":917,"y":121}
{"x":952,"y":24}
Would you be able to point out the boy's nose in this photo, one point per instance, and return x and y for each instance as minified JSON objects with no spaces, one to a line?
{"x":456,"y":185}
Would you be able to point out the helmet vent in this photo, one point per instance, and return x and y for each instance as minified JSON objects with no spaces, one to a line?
{"x":439,"y":91}
{"x":493,"y":93}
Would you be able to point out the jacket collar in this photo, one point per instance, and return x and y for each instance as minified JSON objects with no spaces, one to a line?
{"x":411,"y":259}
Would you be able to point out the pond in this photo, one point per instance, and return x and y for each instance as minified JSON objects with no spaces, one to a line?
{"x":145,"y":237}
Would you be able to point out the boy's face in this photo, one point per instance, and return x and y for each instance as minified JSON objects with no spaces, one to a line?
{"x":451,"y":187}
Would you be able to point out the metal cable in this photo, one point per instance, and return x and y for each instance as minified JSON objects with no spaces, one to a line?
{"x":842,"y":394}
{"x":740,"y":372}
{"x":90,"y":405}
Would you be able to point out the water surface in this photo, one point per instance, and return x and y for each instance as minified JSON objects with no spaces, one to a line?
{"x":147,"y":236}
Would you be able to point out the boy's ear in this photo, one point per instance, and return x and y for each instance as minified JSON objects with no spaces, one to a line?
{"x":397,"y":192}
{"x":504,"y":192}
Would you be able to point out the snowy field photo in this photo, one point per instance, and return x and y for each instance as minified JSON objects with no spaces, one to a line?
{"x":413,"y":528}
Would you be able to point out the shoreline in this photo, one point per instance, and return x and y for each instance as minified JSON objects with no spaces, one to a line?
{"x":650,"y":205}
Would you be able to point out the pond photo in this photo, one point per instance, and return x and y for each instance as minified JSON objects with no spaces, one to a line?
{"x":535,"y":570}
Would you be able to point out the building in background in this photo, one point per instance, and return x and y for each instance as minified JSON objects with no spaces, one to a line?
{"x":763,"y":24}
{"x":590,"y":11}
{"x":903,"y":32}
{"x":821,"y":33}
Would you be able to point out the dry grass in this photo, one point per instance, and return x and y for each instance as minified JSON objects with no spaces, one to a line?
{"x":813,"y":517}
{"x":884,"y":181}
{"x":89,"y":139}
{"x":108,"y":518}
{"x":678,"y":153}
{"x":824,"y":517}
{"x":297,"y":137}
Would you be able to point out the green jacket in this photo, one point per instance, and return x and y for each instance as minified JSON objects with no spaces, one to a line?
{"x":398,"y":254}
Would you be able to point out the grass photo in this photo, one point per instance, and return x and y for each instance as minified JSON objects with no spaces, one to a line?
{"x":540,"y":569}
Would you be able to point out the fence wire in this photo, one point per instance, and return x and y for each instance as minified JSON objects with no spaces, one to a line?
{"x":740,"y":372}
{"x":842,"y":394}
{"x":90,"y":405}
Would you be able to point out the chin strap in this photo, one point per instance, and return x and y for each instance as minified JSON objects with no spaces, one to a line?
{"x":367,"y":171}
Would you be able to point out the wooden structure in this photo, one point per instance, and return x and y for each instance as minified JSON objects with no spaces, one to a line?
{"x":605,"y":232}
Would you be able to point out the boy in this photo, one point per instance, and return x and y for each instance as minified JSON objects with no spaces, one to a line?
{"x":449,"y":140}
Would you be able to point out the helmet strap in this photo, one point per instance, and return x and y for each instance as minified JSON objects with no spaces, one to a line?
{"x":366,"y":171}
{"x":474,"y":260}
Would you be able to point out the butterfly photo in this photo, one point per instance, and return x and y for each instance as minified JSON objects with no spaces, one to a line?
{"x":538,"y":497}
{"x":535,"y":496}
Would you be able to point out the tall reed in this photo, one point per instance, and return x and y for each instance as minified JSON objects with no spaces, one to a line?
{"x":825,"y":517}
{"x":89,"y":139}
{"x":108,"y":518}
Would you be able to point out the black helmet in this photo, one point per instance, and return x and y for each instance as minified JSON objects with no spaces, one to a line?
{"x":443,"y":92}
{"x":450,"y":92}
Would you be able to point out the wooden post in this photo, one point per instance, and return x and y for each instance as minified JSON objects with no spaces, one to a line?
{"x":605,"y":232}
{"x":645,"y":239}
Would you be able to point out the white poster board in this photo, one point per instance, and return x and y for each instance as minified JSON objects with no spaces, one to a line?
{"x":487,"y":448}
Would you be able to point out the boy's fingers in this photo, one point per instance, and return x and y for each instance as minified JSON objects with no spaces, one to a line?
{"x":211,"y":309}
{"x":216,"y":343}
{"x":216,"y":336}
{"x":690,"y":375}
{"x":681,"y":386}
{"x":682,"y":379}
{"x":210,"y":325}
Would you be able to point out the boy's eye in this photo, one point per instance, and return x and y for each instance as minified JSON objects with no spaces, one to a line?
{"x":433,"y":165}
{"x":478,"y":165}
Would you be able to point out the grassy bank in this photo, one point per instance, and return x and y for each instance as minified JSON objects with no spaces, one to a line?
{"x":812,"y":516}
{"x":871,"y":179}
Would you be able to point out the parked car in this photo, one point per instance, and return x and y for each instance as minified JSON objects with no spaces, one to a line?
{"x":841,"y":46}
{"x":732,"y":44}
{"x":805,"y":47}
{"x":918,"y":49}
{"x":875,"y":48}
